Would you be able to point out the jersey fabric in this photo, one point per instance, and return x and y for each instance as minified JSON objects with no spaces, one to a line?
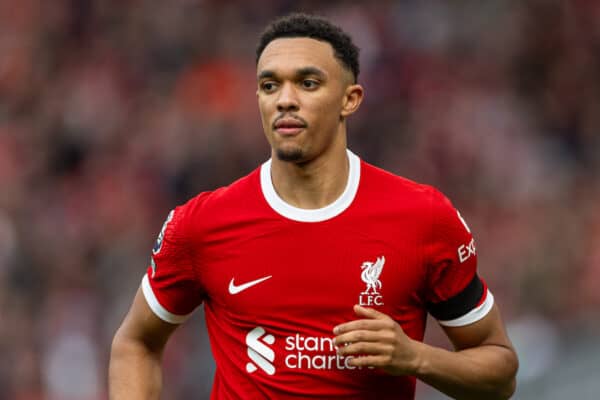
{"x":275,"y":279}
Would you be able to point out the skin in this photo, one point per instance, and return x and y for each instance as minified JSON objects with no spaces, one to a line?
{"x":300,"y":79}
{"x":483,"y":365}
{"x":134,"y":371}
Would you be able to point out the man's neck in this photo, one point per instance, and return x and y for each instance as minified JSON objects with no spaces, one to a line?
{"x":314,"y":184}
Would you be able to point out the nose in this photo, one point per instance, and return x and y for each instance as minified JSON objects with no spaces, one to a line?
{"x":288,"y":99}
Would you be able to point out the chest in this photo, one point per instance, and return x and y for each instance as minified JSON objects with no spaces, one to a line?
{"x":277,"y":273}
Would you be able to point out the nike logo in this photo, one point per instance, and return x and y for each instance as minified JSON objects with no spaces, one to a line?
{"x":235,"y":289}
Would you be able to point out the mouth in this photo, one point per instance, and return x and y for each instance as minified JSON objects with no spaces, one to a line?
{"x":289,"y":126}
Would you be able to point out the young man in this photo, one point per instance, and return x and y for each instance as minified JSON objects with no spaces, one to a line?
{"x":317,"y":270}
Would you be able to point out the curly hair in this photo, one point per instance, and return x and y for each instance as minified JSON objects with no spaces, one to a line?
{"x":314,"y":27}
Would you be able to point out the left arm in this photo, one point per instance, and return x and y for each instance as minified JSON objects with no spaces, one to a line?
{"x":484,"y":364}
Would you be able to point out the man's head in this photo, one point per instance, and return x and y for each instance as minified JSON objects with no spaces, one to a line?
{"x":306,"y":71}
{"x":310,"y":26}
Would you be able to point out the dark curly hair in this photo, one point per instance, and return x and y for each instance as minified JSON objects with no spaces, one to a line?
{"x":311,"y":26}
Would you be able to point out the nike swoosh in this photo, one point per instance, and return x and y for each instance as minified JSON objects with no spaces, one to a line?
{"x":235,"y":289}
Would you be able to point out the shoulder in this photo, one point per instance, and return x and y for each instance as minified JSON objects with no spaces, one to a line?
{"x":207,"y":206}
{"x":385,"y":184}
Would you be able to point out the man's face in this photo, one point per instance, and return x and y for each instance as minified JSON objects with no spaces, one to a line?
{"x":301,"y":92}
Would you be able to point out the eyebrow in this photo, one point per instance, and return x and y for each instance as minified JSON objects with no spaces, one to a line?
{"x":305,"y":71}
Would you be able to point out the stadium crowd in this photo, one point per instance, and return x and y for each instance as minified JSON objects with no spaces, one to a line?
{"x":112,"y":112}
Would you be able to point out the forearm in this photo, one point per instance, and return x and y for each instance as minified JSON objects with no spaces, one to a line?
{"x":486,"y":371}
{"x":134,"y":371}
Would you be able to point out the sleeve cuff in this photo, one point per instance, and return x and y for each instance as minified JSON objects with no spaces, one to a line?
{"x":472,"y":316}
{"x":157,"y":308}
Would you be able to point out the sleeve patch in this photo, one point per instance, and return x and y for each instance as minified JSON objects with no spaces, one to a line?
{"x":161,"y":236}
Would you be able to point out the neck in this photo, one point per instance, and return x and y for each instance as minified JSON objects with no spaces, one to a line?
{"x":315,"y":183}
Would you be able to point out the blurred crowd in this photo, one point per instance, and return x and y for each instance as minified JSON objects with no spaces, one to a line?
{"x":112,"y":112}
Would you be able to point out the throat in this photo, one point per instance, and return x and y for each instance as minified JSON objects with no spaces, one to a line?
{"x":310,"y":186}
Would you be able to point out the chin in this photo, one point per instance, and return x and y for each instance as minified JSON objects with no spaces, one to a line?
{"x":290,"y":155}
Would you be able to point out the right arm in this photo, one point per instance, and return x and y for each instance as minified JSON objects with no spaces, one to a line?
{"x":137,"y":348}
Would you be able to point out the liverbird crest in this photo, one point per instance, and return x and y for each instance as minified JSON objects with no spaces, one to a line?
{"x":370,"y":275}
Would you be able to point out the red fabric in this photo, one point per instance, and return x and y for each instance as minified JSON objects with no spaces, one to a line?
{"x":315,"y":279}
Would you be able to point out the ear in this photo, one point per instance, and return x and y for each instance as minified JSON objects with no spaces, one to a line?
{"x":353,"y":97}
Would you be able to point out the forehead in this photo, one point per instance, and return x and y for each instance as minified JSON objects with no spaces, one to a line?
{"x":285,"y":54}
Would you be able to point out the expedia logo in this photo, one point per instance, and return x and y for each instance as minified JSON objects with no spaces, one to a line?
{"x":261,"y":355}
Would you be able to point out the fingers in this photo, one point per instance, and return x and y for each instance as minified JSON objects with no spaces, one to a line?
{"x":372,"y":320}
{"x":375,"y":340}
{"x":368,"y":312}
{"x":365,"y":348}
{"x":362,"y":325}
{"x":359,"y":336}
{"x":377,"y":361}
{"x":374,"y":334}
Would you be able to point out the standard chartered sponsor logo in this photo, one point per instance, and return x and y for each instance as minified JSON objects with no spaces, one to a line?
{"x":301,"y":352}
{"x":314,"y":352}
{"x":261,"y":354}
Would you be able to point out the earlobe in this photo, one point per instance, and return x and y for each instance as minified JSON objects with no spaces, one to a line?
{"x":352,"y":99}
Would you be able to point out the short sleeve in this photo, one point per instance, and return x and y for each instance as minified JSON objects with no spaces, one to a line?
{"x":455,"y":294}
{"x":170,"y":286}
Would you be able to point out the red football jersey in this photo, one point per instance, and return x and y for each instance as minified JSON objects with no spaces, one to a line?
{"x":275,"y":279}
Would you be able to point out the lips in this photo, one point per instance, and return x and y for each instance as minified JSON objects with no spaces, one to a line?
{"x":289,"y":126}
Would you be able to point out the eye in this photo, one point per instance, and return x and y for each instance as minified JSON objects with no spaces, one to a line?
{"x":268,"y":86}
{"x":310,"y":84}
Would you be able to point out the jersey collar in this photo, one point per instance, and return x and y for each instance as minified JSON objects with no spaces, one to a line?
{"x":311,"y":215}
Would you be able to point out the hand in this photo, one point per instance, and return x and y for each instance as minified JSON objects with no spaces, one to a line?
{"x":378,"y":341}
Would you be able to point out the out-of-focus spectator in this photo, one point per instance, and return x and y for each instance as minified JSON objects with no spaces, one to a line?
{"x":111,"y":113}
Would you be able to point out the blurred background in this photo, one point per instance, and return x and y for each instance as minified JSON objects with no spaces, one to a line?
{"x":113,"y":111}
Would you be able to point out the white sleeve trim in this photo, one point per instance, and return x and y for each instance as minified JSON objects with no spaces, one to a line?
{"x":474,"y":315}
{"x":157,"y":308}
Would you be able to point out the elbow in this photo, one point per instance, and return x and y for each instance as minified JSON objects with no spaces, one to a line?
{"x":504,"y":384}
{"x":499,"y":391}
{"x":509,"y":389}
{"x":510,"y":385}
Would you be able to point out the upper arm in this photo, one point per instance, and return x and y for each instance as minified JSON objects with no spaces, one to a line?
{"x":457,"y":297}
{"x":487,"y":331}
{"x":487,"y":339}
{"x":170,"y":290}
{"x":141,"y":325}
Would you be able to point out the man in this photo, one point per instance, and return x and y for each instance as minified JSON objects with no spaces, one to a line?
{"x":317,"y":270}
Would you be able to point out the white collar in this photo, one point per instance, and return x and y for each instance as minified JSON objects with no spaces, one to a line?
{"x":311,"y":215}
